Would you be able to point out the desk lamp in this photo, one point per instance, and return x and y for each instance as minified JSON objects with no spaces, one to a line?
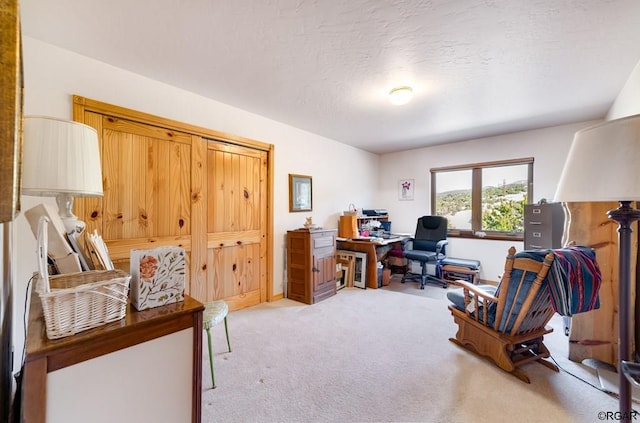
{"x":61,"y":159}
{"x":603,"y":166}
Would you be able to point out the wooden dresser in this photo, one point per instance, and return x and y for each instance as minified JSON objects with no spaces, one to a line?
{"x":311,"y":264}
{"x":144,"y":367}
{"x":543,"y":225}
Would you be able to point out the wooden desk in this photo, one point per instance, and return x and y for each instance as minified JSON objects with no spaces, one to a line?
{"x":136,"y":349}
{"x":368,"y":247}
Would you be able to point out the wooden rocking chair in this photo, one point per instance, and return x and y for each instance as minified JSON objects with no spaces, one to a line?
{"x":506,"y":323}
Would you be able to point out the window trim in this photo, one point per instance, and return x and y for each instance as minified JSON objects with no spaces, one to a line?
{"x":476,"y":196}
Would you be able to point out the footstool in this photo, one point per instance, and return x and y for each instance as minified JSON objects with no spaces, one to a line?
{"x":460,"y":269}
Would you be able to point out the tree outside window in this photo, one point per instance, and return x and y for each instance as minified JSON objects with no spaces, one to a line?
{"x":483,"y":199}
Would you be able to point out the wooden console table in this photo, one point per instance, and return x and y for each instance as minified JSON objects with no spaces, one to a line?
{"x":144,"y":367}
{"x":368,"y":247}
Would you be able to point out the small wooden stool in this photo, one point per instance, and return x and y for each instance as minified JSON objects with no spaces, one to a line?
{"x":214,"y":313}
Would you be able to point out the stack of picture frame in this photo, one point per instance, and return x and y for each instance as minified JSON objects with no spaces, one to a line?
{"x":354,"y":267}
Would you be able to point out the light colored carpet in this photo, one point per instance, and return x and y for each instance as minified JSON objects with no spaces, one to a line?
{"x":609,"y":382}
{"x":380,"y":356}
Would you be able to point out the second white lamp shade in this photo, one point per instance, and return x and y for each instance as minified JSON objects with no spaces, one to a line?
{"x":603,"y":163}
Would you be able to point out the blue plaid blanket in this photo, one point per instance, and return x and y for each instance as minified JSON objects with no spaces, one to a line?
{"x":573,"y":280}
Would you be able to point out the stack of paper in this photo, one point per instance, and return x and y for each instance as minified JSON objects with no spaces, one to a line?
{"x":99,"y":250}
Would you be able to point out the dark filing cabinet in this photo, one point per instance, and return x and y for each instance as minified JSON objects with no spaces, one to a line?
{"x":543,"y":225}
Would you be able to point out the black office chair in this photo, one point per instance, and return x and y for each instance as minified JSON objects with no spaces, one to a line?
{"x":429,"y":246}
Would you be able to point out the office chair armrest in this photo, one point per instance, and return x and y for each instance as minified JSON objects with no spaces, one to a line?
{"x":407,"y":244}
{"x":441,"y":246}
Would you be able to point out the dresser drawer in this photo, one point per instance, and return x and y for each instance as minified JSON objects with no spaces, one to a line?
{"x":538,"y":216}
{"x":536,"y":243}
{"x":322,"y":240}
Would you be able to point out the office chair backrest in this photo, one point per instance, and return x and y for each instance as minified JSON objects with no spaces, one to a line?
{"x":429,"y":230}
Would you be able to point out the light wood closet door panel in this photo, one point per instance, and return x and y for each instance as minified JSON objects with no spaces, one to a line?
{"x":236,"y":224}
{"x":89,"y":209}
{"x":146,"y":181}
{"x":146,"y":174}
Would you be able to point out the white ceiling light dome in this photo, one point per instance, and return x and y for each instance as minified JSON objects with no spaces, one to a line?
{"x":400,"y":95}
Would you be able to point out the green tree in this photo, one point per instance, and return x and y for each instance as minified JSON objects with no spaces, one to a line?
{"x":504,"y":216}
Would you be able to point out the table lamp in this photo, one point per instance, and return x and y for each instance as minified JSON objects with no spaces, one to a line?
{"x":603,"y":166}
{"x":61,"y":159}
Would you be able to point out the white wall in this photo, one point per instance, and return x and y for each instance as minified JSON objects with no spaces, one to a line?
{"x":548,"y":146}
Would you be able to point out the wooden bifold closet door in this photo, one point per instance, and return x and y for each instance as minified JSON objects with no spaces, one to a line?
{"x":236,"y":218}
{"x":189,"y":188}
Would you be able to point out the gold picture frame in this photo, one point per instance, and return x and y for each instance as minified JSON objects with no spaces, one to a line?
{"x":11,"y":89}
{"x":300,"y":193}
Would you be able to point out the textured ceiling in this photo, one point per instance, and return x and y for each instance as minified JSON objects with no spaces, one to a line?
{"x":478,"y":67}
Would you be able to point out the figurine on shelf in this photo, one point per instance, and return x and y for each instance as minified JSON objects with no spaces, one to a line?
{"x":309,"y":223}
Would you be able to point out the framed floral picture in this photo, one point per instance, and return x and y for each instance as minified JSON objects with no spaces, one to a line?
{"x":300,"y":193}
{"x":405,"y":189}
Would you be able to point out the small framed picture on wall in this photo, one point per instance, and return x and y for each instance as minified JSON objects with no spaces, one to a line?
{"x":405,"y":189}
{"x":300,"y":193}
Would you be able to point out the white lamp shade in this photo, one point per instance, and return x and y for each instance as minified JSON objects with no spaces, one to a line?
{"x":603,"y":163}
{"x":60,"y":157}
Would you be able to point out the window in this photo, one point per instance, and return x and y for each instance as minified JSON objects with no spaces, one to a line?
{"x":483,"y":199}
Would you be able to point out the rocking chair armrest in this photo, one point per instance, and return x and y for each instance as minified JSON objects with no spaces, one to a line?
{"x":469,"y":287}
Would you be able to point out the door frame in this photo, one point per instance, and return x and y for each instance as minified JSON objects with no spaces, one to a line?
{"x":83,"y":104}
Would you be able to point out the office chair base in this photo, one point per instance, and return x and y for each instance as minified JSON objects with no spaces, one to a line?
{"x":424,"y":280}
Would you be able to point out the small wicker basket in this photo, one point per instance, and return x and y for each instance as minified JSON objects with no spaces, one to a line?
{"x":76,"y":302}
{"x":353,"y":211}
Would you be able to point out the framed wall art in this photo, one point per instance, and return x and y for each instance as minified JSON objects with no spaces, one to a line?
{"x":405,"y":189}
{"x":300,"y":193}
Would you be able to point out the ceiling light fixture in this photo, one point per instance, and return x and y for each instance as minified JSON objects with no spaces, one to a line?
{"x":400,"y":95}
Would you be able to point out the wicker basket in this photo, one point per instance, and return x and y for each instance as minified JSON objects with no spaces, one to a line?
{"x":84,"y":300}
{"x":352,"y":210}
{"x":76,"y":302}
